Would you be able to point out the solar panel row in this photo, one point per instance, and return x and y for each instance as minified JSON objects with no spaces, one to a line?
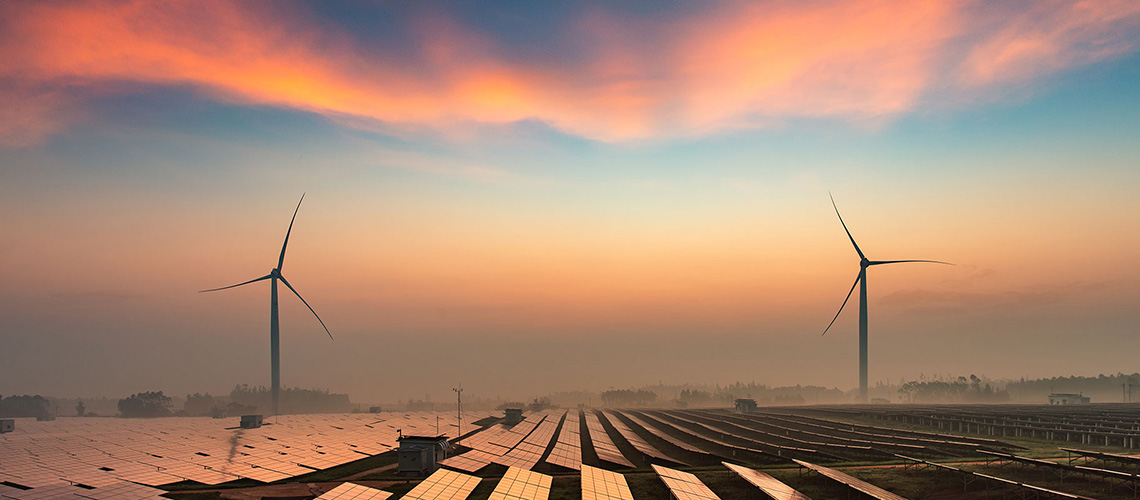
{"x":851,"y":482}
{"x":444,"y":485}
{"x":771,"y":486}
{"x":684,"y":486}
{"x":521,"y":484}
{"x":636,"y":440}
{"x":567,"y":450}
{"x":352,"y":491}
{"x":527,"y":453}
{"x":603,"y":445}
{"x":101,"y":452}
{"x":657,"y":429}
{"x":599,"y":484}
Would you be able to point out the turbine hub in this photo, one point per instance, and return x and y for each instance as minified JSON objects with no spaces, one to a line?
{"x":275,"y":273}
{"x":863,"y":263}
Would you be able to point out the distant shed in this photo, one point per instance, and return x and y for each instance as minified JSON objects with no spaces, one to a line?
{"x":746,"y":406}
{"x":7,"y":425}
{"x":1058,"y":398}
{"x":251,"y":421}
{"x":513,"y":416}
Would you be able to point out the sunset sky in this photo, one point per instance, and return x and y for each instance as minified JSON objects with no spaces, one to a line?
{"x":544,"y":196}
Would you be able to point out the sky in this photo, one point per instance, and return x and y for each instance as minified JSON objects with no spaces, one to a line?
{"x":529,"y":197}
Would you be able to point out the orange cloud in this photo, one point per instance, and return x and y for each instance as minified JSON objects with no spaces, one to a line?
{"x":733,"y":66}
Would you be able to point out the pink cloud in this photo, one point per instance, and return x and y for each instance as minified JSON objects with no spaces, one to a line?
{"x":1045,"y":37}
{"x":730,"y":66}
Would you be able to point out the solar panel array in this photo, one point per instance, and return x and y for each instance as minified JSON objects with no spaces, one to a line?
{"x":603,"y":445}
{"x":352,"y":491}
{"x":492,"y":443}
{"x":657,"y":431}
{"x":527,"y":453}
{"x":636,"y":440}
{"x":600,"y":484}
{"x":567,"y":450}
{"x":443,"y":485}
{"x":769,"y":485}
{"x":120,"y":490}
{"x":105,"y":452}
{"x":521,"y":484}
{"x":684,"y":486}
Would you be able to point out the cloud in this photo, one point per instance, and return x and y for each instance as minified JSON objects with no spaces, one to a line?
{"x":1049,"y":296}
{"x":725,"y":67}
{"x":1049,"y":36}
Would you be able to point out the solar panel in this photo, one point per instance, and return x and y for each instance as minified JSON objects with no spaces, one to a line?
{"x":522,"y":484}
{"x":444,"y":485}
{"x":684,"y":486}
{"x":853,"y":483}
{"x":768,"y":484}
{"x":567,"y":450}
{"x":600,"y":484}
{"x":603,"y":445}
{"x":352,"y":491}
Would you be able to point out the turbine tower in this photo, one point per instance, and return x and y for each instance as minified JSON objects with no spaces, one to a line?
{"x":274,"y":330}
{"x":861,"y":281}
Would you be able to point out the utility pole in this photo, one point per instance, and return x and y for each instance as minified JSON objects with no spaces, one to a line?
{"x":459,"y":409}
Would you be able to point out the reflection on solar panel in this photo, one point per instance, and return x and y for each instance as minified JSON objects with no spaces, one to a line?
{"x":603,"y":445}
{"x":103,"y":452}
{"x":684,"y":486}
{"x":527,"y":454}
{"x":768,"y":484}
{"x":599,"y":484}
{"x":635,"y":440}
{"x":443,"y":485}
{"x":521,"y":484}
{"x":350,"y":491}
{"x":567,"y":450}
{"x":853,"y":483}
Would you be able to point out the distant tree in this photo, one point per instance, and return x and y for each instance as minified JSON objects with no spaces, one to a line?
{"x":24,"y":406}
{"x":146,"y":405}
{"x":80,"y":410}
{"x":198,"y":405}
{"x":236,"y":408}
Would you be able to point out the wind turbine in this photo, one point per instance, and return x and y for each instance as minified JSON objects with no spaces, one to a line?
{"x":861,"y":281}
{"x":274,"y":330}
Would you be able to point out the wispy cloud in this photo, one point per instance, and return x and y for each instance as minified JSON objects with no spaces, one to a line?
{"x":729,"y":66}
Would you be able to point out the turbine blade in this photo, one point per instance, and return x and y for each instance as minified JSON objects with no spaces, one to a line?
{"x":237,"y":285}
{"x":879,"y":262}
{"x":856,"y":245}
{"x":294,"y":290}
{"x":281,"y":260}
{"x":857,"y":278}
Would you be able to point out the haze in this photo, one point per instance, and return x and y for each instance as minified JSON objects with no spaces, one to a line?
{"x":533,"y":198}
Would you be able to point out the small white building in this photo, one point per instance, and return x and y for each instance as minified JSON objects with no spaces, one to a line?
{"x":1059,"y":398}
{"x":513,"y":416}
